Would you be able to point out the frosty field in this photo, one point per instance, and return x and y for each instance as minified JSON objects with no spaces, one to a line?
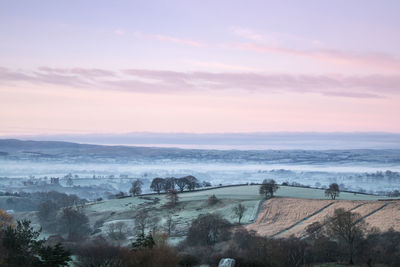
{"x":290,"y":206}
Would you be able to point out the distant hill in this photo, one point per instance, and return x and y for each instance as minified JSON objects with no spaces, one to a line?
{"x":20,"y":149}
{"x":241,"y":141}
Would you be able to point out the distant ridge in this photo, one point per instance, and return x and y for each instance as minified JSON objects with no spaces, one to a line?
{"x":56,"y":150}
{"x":241,"y":141}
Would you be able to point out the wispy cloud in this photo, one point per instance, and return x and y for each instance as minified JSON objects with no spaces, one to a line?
{"x":170,"y":82}
{"x":169,"y":39}
{"x":282,"y":43}
{"x":369,"y":59}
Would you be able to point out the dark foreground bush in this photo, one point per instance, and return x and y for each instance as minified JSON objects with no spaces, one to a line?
{"x":101,"y":254}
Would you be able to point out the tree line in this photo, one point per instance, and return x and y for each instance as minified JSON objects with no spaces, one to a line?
{"x":160,"y":185}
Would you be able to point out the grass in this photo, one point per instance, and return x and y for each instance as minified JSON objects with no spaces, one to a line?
{"x":252,"y":192}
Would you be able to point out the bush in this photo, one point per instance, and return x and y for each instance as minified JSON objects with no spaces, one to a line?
{"x":208,"y":229}
{"x":212,"y":200}
{"x":20,"y":247}
{"x":116,"y":231}
{"x":73,"y":223}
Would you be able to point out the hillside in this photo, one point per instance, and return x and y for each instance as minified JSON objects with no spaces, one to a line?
{"x":289,"y":213}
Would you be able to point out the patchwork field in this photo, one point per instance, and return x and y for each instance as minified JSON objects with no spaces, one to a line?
{"x":191,"y":204}
{"x":289,"y":213}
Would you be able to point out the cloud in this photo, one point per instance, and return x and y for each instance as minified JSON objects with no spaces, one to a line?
{"x":78,"y":71}
{"x":169,"y":39}
{"x":281,"y":43}
{"x":173,"y":82}
{"x":370,"y":59}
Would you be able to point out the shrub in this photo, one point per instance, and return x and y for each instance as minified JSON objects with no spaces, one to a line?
{"x":207,"y":229}
{"x":212,"y":200}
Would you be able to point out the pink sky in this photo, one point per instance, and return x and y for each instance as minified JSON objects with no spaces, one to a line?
{"x":113,"y":69}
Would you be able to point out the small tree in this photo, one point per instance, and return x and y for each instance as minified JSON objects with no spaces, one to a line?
{"x":143,"y":242}
{"x":136,"y":188}
{"x":74,"y":223}
{"x":70,"y":183}
{"x":332,"y":191}
{"x":268,"y":188}
{"x":239,"y":211}
{"x":208,"y":229}
{"x":348,"y":228}
{"x":170,"y":225}
{"x":5,"y":220}
{"x":47,"y":213}
{"x":172,"y":197}
{"x":116,"y":231}
{"x":314,"y":230}
{"x":157,"y":185}
{"x":141,"y":221}
{"x":20,"y":247}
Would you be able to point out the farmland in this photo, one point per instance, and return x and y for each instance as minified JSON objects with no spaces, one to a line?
{"x":287,"y":214}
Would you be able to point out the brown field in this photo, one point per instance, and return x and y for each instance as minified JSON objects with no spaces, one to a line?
{"x":387,"y":217}
{"x":278,"y":214}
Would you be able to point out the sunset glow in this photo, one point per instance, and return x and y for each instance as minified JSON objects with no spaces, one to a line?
{"x":199,"y":66}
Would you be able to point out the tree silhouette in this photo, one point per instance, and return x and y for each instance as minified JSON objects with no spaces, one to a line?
{"x":332,"y":191}
{"x":268,"y":188}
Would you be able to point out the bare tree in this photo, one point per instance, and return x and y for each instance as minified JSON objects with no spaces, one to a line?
{"x":268,"y":188}
{"x":136,"y":188}
{"x":348,"y":228}
{"x":154,"y":224}
{"x":172,"y":197}
{"x":142,"y":221}
{"x":116,"y":230}
{"x":170,"y":225}
{"x":157,"y":185}
{"x":239,"y":211}
{"x":332,"y":191}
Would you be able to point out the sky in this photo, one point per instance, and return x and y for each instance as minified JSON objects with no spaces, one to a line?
{"x":80,"y":67}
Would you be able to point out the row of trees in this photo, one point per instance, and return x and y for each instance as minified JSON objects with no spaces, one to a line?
{"x":165,"y":184}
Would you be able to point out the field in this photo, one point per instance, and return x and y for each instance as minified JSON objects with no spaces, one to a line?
{"x":191,"y":204}
{"x":291,"y":205}
{"x":289,"y":213}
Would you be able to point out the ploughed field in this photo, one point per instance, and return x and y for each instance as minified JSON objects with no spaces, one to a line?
{"x":283,"y":217}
